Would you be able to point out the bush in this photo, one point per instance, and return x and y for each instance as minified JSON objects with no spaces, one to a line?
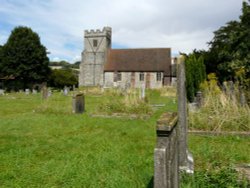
{"x":63,"y":77}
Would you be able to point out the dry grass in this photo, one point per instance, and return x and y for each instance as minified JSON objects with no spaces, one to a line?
{"x":220,"y":111}
{"x":168,"y":91}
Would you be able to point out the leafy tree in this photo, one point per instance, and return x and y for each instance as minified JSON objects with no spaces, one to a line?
{"x":63,"y":77}
{"x":1,"y":62}
{"x":25,"y":58}
{"x":228,"y":55}
{"x":195,"y":74}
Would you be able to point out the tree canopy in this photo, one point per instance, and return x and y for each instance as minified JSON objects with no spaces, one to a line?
{"x":24,"y":57}
{"x":229,"y":55}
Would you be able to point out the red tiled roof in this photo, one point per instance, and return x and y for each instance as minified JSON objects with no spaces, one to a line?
{"x":136,"y":60}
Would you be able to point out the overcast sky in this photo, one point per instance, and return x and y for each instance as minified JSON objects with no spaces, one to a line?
{"x":179,"y":24}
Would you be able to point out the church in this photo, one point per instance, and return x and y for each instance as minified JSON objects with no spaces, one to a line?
{"x":106,"y":67}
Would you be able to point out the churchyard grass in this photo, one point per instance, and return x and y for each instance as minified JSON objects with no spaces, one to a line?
{"x":42,"y":144}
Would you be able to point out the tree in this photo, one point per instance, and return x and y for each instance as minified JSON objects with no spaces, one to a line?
{"x":228,"y":55}
{"x":63,"y":77}
{"x":25,"y":58}
{"x":195,"y":74}
{"x":1,"y":62}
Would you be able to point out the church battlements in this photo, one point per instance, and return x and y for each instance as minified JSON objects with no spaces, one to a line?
{"x":106,"y":31}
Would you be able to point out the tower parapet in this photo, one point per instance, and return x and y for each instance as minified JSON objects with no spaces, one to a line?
{"x":106,"y":31}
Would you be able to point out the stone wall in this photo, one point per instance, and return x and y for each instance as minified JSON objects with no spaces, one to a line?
{"x":132,"y":79}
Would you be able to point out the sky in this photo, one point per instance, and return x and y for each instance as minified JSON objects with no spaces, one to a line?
{"x":181,"y":25}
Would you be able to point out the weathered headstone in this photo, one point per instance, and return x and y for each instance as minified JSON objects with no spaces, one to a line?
{"x":199,"y":99}
{"x":143,"y":91}
{"x":1,"y":92}
{"x":27,"y":91}
{"x":78,"y":103}
{"x":242,"y":98}
{"x":49,"y":92}
{"x":65,"y":91}
{"x":34,"y":91}
{"x":44,"y":90}
{"x":184,"y":162}
{"x":166,"y":168}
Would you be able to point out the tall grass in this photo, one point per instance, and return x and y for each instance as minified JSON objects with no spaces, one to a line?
{"x":220,"y":111}
{"x":129,"y":103}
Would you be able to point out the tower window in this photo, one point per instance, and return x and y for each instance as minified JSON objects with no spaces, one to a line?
{"x":141,"y":76}
{"x":158,"y":76}
{"x":95,"y":43}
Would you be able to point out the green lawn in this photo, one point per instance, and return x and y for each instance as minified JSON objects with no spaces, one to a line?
{"x":43,"y":145}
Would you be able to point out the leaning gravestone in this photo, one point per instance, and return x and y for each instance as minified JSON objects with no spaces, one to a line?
{"x":78,"y":103}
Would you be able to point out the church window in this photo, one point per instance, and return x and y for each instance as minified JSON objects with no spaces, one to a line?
{"x":119,"y":76}
{"x":141,"y":76}
{"x":95,"y":43}
{"x":158,"y":76}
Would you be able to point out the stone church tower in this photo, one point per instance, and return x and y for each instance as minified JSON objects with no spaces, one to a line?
{"x":96,"y":45}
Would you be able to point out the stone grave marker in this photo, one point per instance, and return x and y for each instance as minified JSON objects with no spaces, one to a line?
{"x":34,"y":91}
{"x":65,"y":91}
{"x":78,"y":103}
{"x":185,"y":157}
{"x":27,"y":91}
{"x":143,"y":91}
{"x":44,"y":91}
{"x":1,"y":92}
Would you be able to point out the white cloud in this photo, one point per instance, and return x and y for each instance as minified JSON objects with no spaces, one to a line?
{"x":181,"y":25}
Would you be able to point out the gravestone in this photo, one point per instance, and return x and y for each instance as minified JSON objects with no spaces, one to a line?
{"x":27,"y":91}
{"x":44,"y":91}
{"x":185,"y":157}
{"x":65,"y":91}
{"x":166,"y":168}
{"x":143,"y":91}
{"x":199,"y":99}
{"x":78,"y":103}
{"x":1,"y":92}
{"x":49,"y":93}
{"x":34,"y":91}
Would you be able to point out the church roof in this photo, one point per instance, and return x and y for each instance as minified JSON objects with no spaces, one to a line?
{"x":137,"y":60}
